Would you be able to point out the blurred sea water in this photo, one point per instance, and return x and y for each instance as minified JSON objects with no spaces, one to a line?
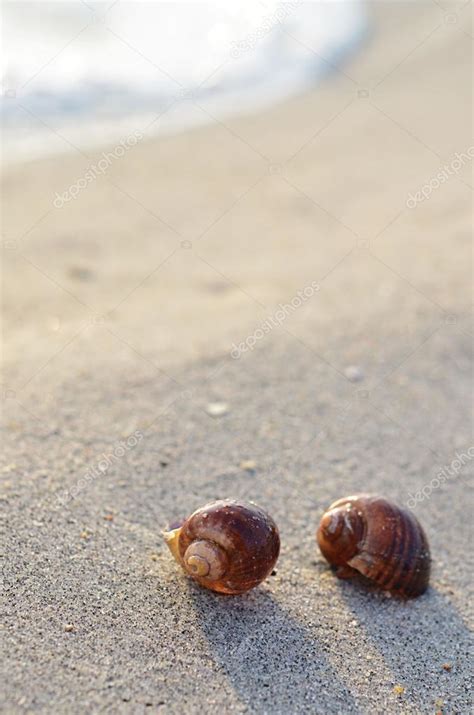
{"x":79,"y":73}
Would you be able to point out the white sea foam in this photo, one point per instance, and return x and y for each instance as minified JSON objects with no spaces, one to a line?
{"x":93,"y":71}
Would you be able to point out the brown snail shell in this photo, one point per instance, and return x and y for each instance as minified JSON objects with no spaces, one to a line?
{"x":227,"y":546}
{"x":375,"y":537}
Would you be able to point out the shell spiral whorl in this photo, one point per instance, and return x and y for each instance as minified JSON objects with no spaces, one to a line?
{"x":205,"y":559}
{"x":227,"y":546}
{"x":378,"y":539}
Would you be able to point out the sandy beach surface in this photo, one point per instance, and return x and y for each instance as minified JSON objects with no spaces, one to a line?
{"x":139,"y":306}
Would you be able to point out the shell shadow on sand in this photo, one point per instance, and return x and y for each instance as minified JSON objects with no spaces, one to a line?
{"x":423,"y":642}
{"x":271,"y":661}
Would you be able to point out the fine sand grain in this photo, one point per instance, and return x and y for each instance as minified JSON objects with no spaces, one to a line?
{"x":122,"y":309}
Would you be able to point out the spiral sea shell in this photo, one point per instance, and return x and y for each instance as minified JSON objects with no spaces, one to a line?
{"x":227,"y":546}
{"x":380,"y":540}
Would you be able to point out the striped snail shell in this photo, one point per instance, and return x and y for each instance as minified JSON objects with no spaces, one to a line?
{"x":227,"y":546}
{"x":375,"y":537}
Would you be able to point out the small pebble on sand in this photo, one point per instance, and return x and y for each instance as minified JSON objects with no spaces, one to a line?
{"x":68,"y":627}
{"x":9,"y":467}
{"x":249,"y":465}
{"x":80,"y":273}
{"x":217,"y":409}
{"x":354,"y":373}
{"x":398,"y":690}
{"x":447,"y":666}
